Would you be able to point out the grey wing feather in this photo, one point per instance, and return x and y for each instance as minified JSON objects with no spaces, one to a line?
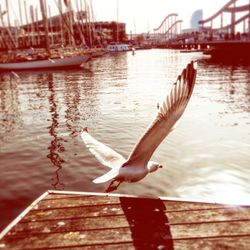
{"x":168,"y":114}
{"x":107,"y":156}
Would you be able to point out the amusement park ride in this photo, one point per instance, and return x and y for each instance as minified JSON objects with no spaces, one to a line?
{"x":228,"y":30}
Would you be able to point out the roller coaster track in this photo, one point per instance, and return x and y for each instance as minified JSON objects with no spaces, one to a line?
{"x":167,"y":32}
{"x":172,"y":27}
{"x":226,"y":6}
{"x":165,"y":19}
{"x":238,"y":8}
{"x":236,"y":22}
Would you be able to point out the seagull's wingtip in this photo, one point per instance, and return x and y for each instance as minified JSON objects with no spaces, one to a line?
{"x":194,"y":64}
{"x":99,"y":180}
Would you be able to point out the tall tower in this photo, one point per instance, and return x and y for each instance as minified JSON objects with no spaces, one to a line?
{"x":195,"y":18}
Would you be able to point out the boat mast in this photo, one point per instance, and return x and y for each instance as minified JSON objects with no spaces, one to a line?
{"x":45,"y":25}
{"x":2,"y":33}
{"x":32,"y":25}
{"x":51,"y":25}
{"x":87,"y":22}
{"x":93,"y":23}
{"x":20,"y":12}
{"x":7,"y":8}
{"x":117,"y":25}
{"x":37,"y":27}
{"x":70,"y":19}
{"x":8,"y":25}
{"x":80,"y":25}
{"x":59,"y":5}
{"x":66,"y":21}
{"x":20,"y":18}
{"x":27,"y":39}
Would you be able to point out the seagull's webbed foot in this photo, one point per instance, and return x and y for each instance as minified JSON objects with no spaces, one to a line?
{"x":113,"y":186}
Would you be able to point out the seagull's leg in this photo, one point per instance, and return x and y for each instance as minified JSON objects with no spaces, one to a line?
{"x":113,"y":185}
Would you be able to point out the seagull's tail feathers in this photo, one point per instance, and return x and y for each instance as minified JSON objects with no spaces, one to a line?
{"x":107,"y":156}
{"x":110,"y":175}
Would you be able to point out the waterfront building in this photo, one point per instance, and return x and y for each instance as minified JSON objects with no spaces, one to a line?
{"x":62,"y":32}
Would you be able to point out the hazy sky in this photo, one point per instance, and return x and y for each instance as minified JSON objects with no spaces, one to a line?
{"x":139,"y":15}
{"x":144,"y":15}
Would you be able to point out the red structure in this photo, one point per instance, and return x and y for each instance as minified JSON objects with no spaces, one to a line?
{"x":232,"y":9}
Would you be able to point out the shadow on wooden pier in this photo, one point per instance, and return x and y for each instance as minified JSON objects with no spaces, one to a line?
{"x":74,"y":220}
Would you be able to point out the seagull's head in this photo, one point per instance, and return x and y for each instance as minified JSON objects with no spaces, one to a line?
{"x":153,"y":166}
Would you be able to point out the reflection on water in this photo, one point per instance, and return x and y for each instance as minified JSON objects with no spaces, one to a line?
{"x":56,"y":146}
{"x":206,"y":157}
{"x":10,"y":117}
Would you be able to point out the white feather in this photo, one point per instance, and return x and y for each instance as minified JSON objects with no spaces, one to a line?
{"x":107,"y":156}
{"x":114,"y":172}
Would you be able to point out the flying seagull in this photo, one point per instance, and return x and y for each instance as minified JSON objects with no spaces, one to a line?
{"x":138,"y":164}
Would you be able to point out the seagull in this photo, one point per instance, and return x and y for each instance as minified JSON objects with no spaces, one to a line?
{"x":138,"y":164}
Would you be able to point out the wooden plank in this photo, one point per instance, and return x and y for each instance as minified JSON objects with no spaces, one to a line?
{"x":169,"y":206}
{"x":230,"y":243}
{"x":78,"y":224}
{"x":179,"y":217}
{"x":85,"y":223}
{"x":54,"y":196}
{"x":119,"y":235}
{"x":79,"y":201}
{"x":75,"y":221}
{"x":75,"y":202}
{"x":204,"y":216}
{"x":76,"y":238}
{"x":75,"y":212}
{"x":216,"y":229}
{"x":115,"y":246}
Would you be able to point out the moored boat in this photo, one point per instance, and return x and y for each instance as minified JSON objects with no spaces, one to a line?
{"x":71,"y":61}
{"x":118,"y":47}
{"x":97,"y":52}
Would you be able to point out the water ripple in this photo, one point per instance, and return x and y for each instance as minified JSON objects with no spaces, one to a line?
{"x":41,"y":115}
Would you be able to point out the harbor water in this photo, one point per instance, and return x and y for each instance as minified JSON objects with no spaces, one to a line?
{"x":41,"y":114}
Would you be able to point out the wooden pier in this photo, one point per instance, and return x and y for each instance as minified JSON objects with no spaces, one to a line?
{"x":70,"y":220}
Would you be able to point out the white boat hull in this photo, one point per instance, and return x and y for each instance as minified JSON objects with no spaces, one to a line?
{"x":118,"y":47}
{"x":73,"y":61}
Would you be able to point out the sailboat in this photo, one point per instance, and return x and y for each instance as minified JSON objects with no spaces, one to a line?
{"x":117,"y":46}
{"x":65,"y":62}
{"x":48,"y":59}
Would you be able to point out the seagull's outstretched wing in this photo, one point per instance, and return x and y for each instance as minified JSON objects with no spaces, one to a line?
{"x":110,"y":175}
{"x":107,"y":156}
{"x":169,"y":112}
